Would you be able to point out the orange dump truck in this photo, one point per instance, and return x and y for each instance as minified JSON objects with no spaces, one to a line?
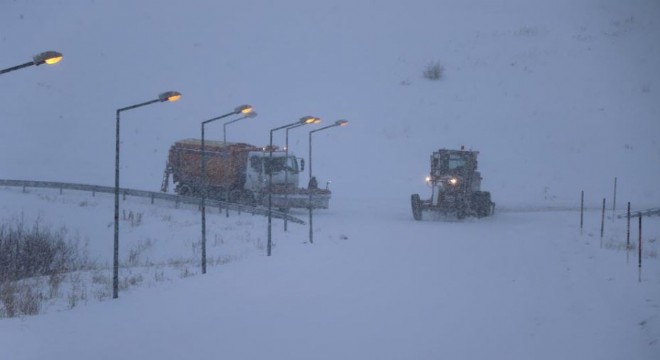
{"x":239,"y":172}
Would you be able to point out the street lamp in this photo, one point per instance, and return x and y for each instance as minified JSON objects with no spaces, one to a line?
{"x":337,"y":123}
{"x":286,"y":169}
{"x":166,"y":96}
{"x":303,"y":121}
{"x":250,"y":114}
{"x":245,"y":110}
{"x":46,"y":57}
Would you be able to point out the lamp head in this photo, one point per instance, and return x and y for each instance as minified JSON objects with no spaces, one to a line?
{"x":309,"y":120}
{"x":169,"y":96}
{"x":341,"y":122}
{"x":243,"y":109}
{"x":251,"y":114}
{"x":47,"y":57}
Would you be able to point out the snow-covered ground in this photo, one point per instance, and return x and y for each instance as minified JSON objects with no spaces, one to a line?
{"x":559,"y":97}
{"x":375,"y":284}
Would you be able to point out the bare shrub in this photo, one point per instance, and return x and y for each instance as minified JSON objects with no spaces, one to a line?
{"x":8,"y":298}
{"x":135,"y":253}
{"x":102,"y":293}
{"x":98,"y":277}
{"x":54,"y":282}
{"x":78,"y":290}
{"x":185,"y":272}
{"x":37,"y":251}
{"x":130,"y":280}
{"x":20,"y":298}
{"x":29,"y":300}
{"x":433,"y":71}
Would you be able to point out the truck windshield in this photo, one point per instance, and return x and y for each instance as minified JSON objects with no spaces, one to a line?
{"x":456,"y":162}
{"x":277,"y":164}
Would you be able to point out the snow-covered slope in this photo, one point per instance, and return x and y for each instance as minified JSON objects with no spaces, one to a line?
{"x":558,"y":96}
{"x":375,"y":285}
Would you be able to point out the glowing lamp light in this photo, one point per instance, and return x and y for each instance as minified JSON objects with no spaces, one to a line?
{"x":53,"y":60}
{"x":47,"y":57}
{"x":170,"y":96}
{"x":243,"y":109}
{"x":309,"y":120}
{"x":453,"y":181}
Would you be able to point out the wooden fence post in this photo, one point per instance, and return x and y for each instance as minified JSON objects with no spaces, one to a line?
{"x":628,"y":231}
{"x":581,"y":211}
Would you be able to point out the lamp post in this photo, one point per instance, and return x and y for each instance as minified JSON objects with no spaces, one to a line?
{"x":286,"y":169}
{"x":303,"y":121}
{"x":46,"y":57}
{"x":251,"y":114}
{"x":337,"y":123}
{"x":243,"y":109}
{"x":166,"y":96}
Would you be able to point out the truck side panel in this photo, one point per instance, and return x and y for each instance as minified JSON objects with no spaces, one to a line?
{"x":225,"y":164}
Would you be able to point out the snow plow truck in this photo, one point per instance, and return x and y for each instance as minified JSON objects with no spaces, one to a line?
{"x":239,"y":173}
{"x":455,"y":185}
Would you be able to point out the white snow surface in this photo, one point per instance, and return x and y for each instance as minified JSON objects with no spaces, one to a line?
{"x":558,"y":97}
{"x":375,"y":284}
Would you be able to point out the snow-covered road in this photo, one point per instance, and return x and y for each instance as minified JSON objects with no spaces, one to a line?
{"x":377,"y":284}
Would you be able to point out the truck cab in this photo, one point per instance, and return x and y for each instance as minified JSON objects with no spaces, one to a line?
{"x":284,"y":169}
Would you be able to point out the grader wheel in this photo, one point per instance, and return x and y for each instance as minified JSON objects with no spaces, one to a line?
{"x":416,"y":203}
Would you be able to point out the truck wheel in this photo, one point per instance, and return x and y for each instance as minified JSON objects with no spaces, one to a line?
{"x":416,"y":203}
{"x":184,"y":190}
{"x":489,"y":206}
{"x":482,"y":204}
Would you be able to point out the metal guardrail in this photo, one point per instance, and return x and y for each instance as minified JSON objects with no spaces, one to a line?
{"x":178,"y":199}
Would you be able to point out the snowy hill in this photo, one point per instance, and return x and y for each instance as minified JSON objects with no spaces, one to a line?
{"x":558,"y":97}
